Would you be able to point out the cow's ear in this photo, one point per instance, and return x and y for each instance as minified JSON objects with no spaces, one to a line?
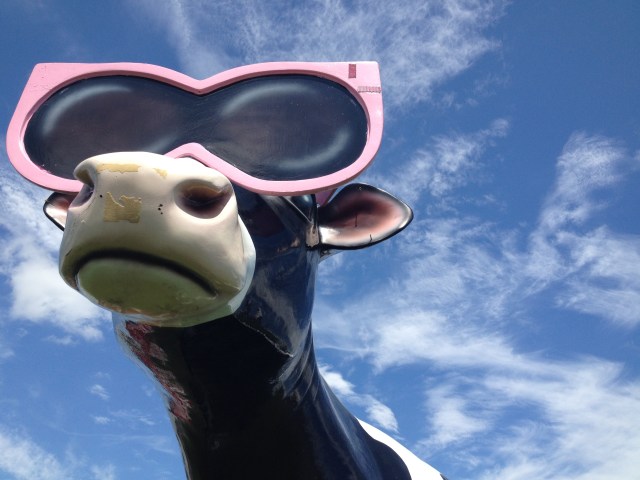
{"x":359,"y":216}
{"x":55,"y":208}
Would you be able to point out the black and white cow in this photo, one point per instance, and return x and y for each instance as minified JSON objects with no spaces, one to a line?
{"x":212,"y":288}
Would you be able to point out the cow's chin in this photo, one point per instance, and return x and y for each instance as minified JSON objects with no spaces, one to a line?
{"x":149,"y":292}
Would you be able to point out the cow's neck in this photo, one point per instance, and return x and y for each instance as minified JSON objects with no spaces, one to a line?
{"x":242,"y":409}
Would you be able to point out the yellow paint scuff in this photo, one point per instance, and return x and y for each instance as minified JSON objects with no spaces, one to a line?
{"x":161,"y":171}
{"x":127,"y":209}
{"x":118,"y":167}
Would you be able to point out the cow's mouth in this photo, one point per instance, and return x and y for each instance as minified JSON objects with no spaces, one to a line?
{"x":146,"y":287}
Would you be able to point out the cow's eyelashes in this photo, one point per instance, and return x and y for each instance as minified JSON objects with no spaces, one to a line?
{"x":201,"y":200}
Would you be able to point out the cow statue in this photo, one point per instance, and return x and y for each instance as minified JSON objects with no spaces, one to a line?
{"x":197,"y":211}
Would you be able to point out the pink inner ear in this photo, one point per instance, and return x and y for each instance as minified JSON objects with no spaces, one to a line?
{"x":361,"y":215}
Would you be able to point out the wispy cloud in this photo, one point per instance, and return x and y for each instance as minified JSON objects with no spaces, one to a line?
{"x":377,"y":412}
{"x":23,"y":459}
{"x":584,"y":430}
{"x":101,"y":420}
{"x":159,"y":443}
{"x":133,"y":417}
{"x":28,"y":262}
{"x":130,"y":419}
{"x":447,"y":162}
{"x":65,"y":340}
{"x":578,"y":427}
{"x":452,"y":417}
{"x":587,"y":165}
{"x":600,"y":268}
{"x":107,"y":472}
{"x":5,"y":350}
{"x":606,"y":278}
{"x":99,"y":391}
{"x":459,"y":285}
{"x":193,"y":29}
{"x":419,"y":44}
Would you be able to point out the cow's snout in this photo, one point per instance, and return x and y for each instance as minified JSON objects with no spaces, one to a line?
{"x":157,"y":239}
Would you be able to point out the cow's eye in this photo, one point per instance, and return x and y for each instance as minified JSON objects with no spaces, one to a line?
{"x":201,"y":200}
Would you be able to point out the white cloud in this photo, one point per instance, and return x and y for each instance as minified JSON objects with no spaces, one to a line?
{"x":101,"y":420}
{"x":64,"y":340}
{"x":107,"y":472}
{"x":418,"y":44}
{"x":380,"y":414}
{"x":160,"y":443}
{"x":30,"y":246}
{"x":330,"y":278}
{"x":337,"y":382}
{"x":5,"y":350}
{"x":23,"y":459}
{"x":377,"y":412}
{"x":587,"y":164}
{"x":585,"y":432}
{"x":577,"y":411}
{"x":39,"y":295}
{"x":133,"y":417}
{"x":192,"y":40}
{"x":451,"y":418}
{"x":600,"y":267}
{"x":447,"y":162}
{"x":607,"y":279}
{"x":459,"y":287}
{"x":99,"y":391}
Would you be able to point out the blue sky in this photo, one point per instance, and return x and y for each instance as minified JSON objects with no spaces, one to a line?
{"x":497,"y":337}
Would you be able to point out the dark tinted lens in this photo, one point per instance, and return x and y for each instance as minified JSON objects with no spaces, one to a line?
{"x":283,"y":127}
{"x":104,"y":115}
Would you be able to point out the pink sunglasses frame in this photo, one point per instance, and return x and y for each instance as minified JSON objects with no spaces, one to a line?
{"x":361,"y":79}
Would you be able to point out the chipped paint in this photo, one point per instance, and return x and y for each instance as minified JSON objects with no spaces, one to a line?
{"x":126,"y":209}
{"x":161,"y":171}
{"x":118,"y":167}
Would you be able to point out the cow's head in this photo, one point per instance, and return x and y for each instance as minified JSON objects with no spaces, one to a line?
{"x":171,"y":242}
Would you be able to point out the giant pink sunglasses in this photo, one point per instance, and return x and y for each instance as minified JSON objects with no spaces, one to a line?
{"x":285,"y":128}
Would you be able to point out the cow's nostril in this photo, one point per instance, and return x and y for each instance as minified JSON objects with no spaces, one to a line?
{"x":202,"y":201}
{"x":83,"y":195}
{"x":83,"y":174}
